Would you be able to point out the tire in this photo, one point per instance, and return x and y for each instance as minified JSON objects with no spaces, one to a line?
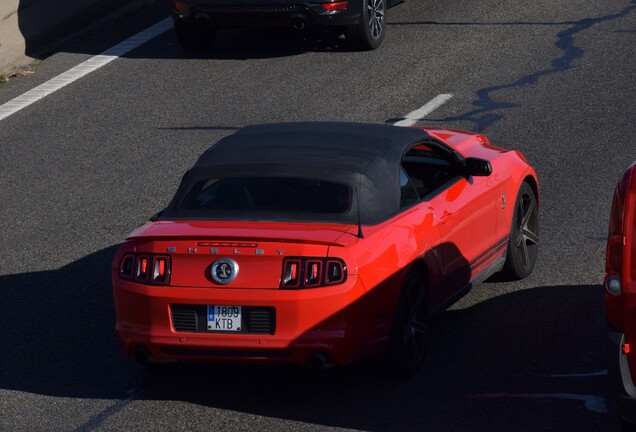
{"x":191,"y":35}
{"x":408,"y":341}
{"x":627,"y":426}
{"x":523,"y":245}
{"x":369,"y":33}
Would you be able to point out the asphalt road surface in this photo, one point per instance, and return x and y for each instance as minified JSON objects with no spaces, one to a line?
{"x":83,"y":166}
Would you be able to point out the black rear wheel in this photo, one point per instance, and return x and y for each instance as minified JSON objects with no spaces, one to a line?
{"x":368,"y":34}
{"x":408,"y":341}
{"x":190,"y":34}
{"x":523,"y":246}
{"x":627,"y":426}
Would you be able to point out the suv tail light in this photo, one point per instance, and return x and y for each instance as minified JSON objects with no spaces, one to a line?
{"x":335,"y":6}
{"x":145,"y":268}
{"x":301,"y":273}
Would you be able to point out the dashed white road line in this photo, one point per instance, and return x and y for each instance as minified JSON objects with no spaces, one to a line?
{"x":83,"y":69}
{"x":130,"y":44}
{"x":411,"y":118}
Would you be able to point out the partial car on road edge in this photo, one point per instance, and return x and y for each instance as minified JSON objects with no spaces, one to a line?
{"x":620,"y":296}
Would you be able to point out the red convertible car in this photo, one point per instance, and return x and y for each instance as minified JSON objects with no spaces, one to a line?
{"x":620,"y":296}
{"x":322,"y":243}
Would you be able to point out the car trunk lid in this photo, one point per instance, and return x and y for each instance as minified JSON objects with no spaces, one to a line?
{"x":256,"y":250}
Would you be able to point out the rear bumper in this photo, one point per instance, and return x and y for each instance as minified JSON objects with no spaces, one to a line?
{"x":255,"y":13}
{"x":621,"y":383}
{"x":328,"y":323}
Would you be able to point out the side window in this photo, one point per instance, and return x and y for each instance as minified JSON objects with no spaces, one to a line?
{"x":430,"y":168}
{"x":408,"y":194}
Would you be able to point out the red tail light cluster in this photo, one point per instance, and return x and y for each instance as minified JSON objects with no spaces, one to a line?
{"x":145,"y":268}
{"x":301,"y":273}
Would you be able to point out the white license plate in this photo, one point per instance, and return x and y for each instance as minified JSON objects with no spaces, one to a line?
{"x":224,"y":318}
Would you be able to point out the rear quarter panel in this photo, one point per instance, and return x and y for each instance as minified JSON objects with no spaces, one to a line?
{"x":382,"y":260}
{"x":629,"y":269}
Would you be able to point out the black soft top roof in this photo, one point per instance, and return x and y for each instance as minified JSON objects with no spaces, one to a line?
{"x":365,"y":157}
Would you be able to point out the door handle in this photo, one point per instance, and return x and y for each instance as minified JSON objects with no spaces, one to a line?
{"x":445,"y":217}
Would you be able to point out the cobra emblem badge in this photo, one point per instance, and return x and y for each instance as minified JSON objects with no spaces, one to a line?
{"x":224,"y":270}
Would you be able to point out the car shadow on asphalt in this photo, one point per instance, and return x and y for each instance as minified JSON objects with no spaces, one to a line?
{"x":248,"y":44}
{"x":526,"y":360}
{"x":57,"y":332}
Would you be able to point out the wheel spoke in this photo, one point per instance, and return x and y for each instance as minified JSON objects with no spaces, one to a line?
{"x":378,"y":28}
{"x":519,"y":215}
{"x":525,"y":259}
{"x":412,"y":345}
{"x":421,"y":328}
{"x":529,"y":236}
{"x":414,"y":303}
{"x":528,"y":214}
{"x":414,"y":296}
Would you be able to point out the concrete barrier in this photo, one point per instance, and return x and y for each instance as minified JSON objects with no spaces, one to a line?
{"x":28,"y":26}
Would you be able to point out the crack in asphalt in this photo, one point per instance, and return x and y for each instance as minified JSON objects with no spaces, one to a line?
{"x":487,"y":113}
{"x":97,"y":421}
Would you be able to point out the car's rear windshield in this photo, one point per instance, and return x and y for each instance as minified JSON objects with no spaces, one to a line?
{"x":266,"y":197}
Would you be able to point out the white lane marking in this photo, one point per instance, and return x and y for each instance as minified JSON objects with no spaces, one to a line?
{"x":411,"y":118}
{"x":90,"y":65}
{"x":593,"y":403}
{"x":580,"y":375}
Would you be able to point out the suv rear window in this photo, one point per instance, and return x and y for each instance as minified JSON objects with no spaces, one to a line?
{"x":275,"y":195}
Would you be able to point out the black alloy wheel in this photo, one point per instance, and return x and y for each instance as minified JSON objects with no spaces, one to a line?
{"x":409,"y":337}
{"x":368,"y":34}
{"x":523,"y":246}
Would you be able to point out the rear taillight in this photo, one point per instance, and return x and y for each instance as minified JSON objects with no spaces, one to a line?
{"x":312,"y":272}
{"x":614,"y":263}
{"x":335,"y":6}
{"x":335,"y":272}
{"x":178,"y":6}
{"x":145,"y":268}
{"x":141,"y":272}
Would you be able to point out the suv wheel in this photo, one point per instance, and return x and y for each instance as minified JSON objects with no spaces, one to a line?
{"x":368,"y":34}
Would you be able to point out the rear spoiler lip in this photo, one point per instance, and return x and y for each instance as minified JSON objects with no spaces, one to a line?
{"x":237,"y":239}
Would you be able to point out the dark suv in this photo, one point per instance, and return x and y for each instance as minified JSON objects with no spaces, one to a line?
{"x":362,"y":21}
{"x":620,"y":296}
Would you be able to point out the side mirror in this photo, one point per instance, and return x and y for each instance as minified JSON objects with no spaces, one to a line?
{"x":478,"y":167}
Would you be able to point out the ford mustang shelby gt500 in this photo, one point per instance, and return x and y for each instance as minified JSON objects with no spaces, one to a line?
{"x":323,"y":243}
{"x":620,"y":296}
